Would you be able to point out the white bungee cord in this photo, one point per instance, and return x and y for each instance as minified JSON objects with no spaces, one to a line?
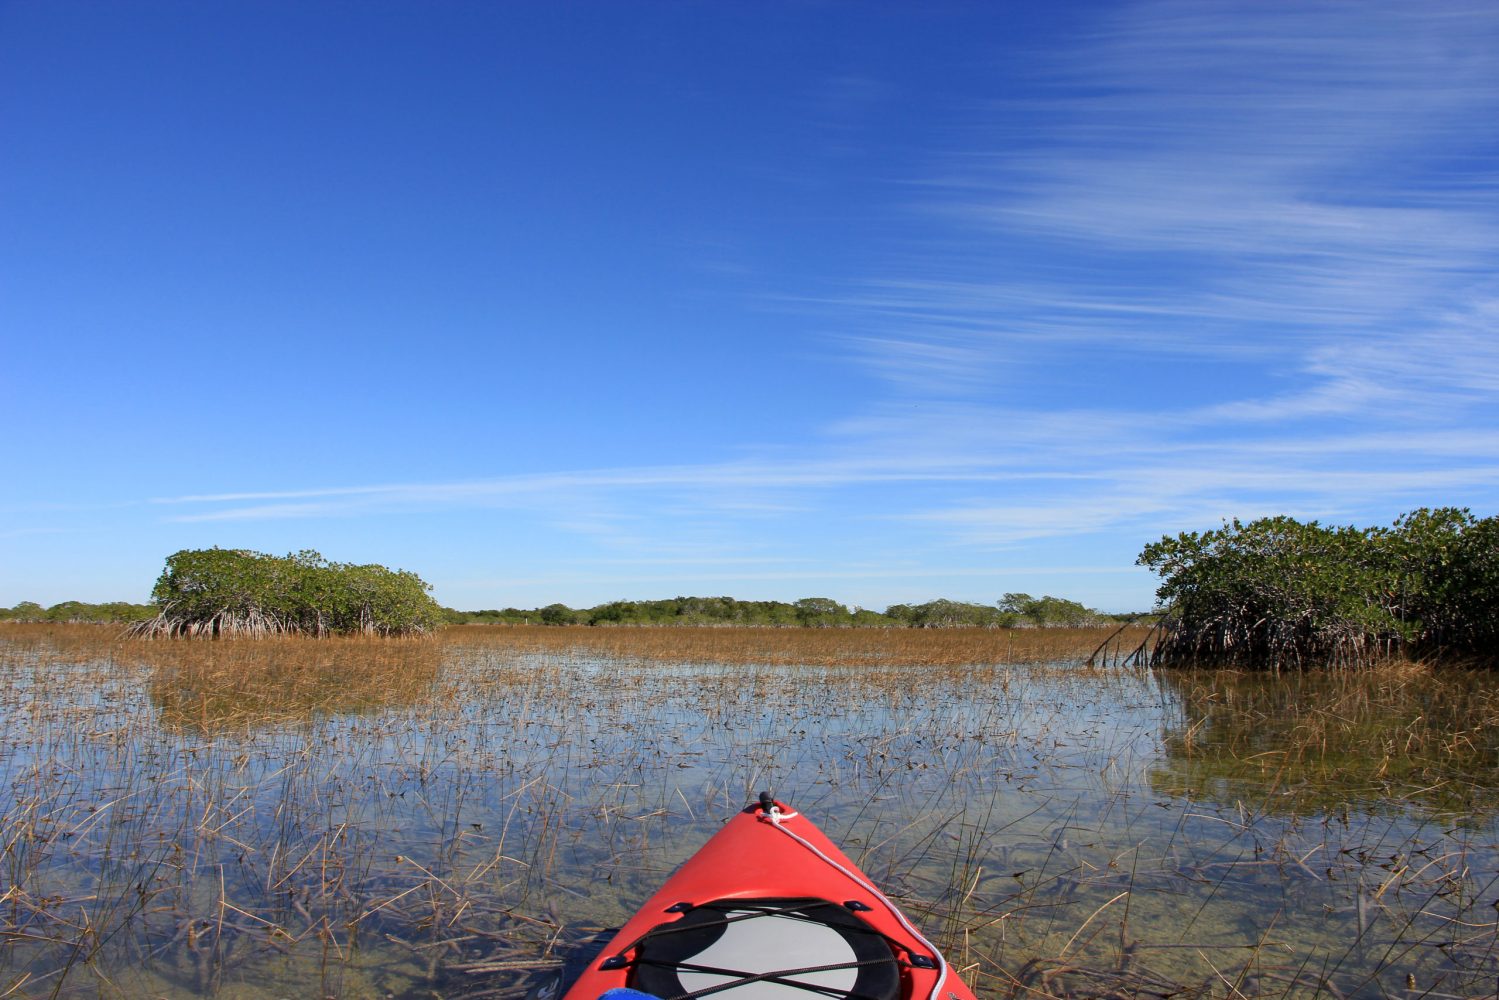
{"x":775,"y":817}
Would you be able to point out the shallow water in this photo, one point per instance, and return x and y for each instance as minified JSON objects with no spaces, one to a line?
{"x":1058,"y":830}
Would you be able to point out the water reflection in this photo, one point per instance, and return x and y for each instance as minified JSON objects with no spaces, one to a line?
{"x":1064,"y":831}
{"x":1404,"y":741}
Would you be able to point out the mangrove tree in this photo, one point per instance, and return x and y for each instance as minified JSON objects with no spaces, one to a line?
{"x":223,"y":592}
{"x":1277,"y":592}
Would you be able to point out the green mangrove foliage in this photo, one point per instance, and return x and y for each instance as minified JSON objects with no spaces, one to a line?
{"x":220,"y":592}
{"x":1277,"y":592}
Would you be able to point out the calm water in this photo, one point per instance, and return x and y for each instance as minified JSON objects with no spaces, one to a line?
{"x":1060,"y":831}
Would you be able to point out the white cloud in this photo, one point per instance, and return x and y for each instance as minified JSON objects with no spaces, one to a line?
{"x":1295,"y":193}
{"x":1209,"y":178}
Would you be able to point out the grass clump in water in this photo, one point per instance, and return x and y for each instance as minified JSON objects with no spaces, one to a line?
{"x":250,"y":819}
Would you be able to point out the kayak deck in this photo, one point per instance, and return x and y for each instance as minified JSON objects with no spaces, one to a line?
{"x":770,"y":909}
{"x":724,"y":945}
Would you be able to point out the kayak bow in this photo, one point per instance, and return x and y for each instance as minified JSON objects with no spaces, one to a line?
{"x":770,"y":909}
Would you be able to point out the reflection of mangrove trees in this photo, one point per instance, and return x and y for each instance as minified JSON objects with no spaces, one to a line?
{"x":220,"y":592}
{"x":1279,"y":593}
{"x":250,"y":684}
{"x":1332,"y":740}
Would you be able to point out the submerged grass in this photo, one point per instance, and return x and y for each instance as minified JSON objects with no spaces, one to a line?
{"x":460,"y":817}
{"x":1322,"y":739}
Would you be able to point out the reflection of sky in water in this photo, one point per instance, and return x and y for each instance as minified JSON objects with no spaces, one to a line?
{"x":1016,"y":803}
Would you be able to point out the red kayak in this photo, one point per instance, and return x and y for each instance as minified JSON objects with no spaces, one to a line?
{"x":770,"y":909}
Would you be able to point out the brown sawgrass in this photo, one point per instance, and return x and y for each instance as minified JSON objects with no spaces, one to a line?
{"x":38,"y":641}
{"x":782,"y":645}
{"x":667,"y":644}
{"x":265,"y":681}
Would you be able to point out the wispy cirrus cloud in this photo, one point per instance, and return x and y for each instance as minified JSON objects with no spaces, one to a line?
{"x":1307,"y":185}
{"x":735,"y":483}
{"x":1298,"y":194}
{"x":1258,"y":240}
{"x":971,"y":474}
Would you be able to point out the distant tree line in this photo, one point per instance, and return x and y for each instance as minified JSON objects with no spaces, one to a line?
{"x":219,"y":592}
{"x":1013,"y":611}
{"x":213,"y":592}
{"x":110,"y":613}
{"x":1278,"y":592}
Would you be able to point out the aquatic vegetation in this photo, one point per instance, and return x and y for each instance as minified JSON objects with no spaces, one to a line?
{"x":955,"y":647}
{"x":256,"y":819}
{"x":279,"y":679}
{"x":1332,"y":740}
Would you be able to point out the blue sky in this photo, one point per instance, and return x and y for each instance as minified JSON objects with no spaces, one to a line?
{"x":881,"y":302}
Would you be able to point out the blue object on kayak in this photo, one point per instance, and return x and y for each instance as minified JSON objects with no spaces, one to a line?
{"x":625,"y":993}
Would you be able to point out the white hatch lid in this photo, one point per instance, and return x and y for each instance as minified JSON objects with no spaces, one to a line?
{"x":768,"y":943}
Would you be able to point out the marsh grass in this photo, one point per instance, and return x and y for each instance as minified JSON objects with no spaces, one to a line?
{"x":906,"y":647}
{"x":265,"y":681}
{"x":461,"y":817}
